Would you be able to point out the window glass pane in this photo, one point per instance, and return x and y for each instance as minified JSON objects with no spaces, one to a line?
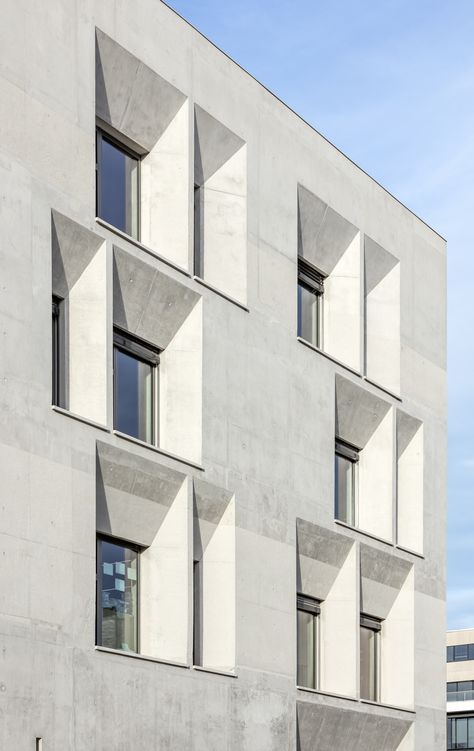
{"x":461,"y":732}
{"x":307,"y":649}
{"x":464,"y":685}
{"x":133,"y":396}
{"x":345,"y":490}
{"x":368,"y":664}
{"x":449,"y":734}
{"x":308,"y":315}
{"x":470,"y":650}
{"x":450,"y":654}
{"x":118,"y":185}
{"x":452,"y":687}
{"x":470,"y":732}
{"x":197,"y":602}
{"x":118,"y":582}
{"x":460,"y":652}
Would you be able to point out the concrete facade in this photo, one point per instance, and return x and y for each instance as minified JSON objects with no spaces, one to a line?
{"x":242,"y":479}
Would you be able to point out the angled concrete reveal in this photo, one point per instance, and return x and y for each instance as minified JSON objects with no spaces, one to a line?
{"x":387,"y":592}
{"x":214,"y":577}
{"x":366,"y":421}
{"x":79,"y":268}
{"x":144,"y":502}
{"x":332,"y":244}
{"x":410,"y":482}
{"x":382,"y":316}
{"x":220,"y":227}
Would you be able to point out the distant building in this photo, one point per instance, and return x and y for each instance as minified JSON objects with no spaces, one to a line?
{"x":460,"y":689}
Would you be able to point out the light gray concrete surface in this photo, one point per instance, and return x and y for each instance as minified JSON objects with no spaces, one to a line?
{"x":263,"y":430}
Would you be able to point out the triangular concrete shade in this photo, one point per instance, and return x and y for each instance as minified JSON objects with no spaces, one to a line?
{"x":209,"y":506}
{"x":73,"y":247}
{"x":358,"y":412}
{"x":407,"y":427}
{"x":130,"y":96}
{"x":323,"y":234}
{"x":378,"y":263}
{"x":214,"y":145}
{"x":147,"y":302}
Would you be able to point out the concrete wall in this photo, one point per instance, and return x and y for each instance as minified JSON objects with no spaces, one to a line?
{"x":250,"y":411}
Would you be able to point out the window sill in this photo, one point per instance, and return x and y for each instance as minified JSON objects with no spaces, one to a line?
{"x":214,"y":671}
{"x":382,"y":388}
{"x":408,"y":550}
{"x":326,"y":693}
{"x":157,"y":450}
{"x":388,"y":706}
{"x":138,"y":244}
{"x":363,"y":532}
{"x":219,"y":292}
{"x":137,"y":656}
{"x":329,"y":357}
{"x":80,"y":418}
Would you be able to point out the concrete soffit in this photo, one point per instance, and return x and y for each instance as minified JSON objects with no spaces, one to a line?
{"x":133,"y":494}
{"x":320,"y":555}
{"x":130,"y":96}
{"x":407,"y":427}
{"x":358,"y":412}
{"x":214,"y":145}
{"x":72,"y":249}
{"x":378,"y":263}
{"x":147,"y":302}
{"x":209,"y":506}
{"x":323,"y":234}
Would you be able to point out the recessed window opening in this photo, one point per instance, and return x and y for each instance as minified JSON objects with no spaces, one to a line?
{"x":198,"y":226}
{"x":57,"y":351}
{"x":308,"y":612}
{"x":310,"y":303}
{"x":460,"y":732}
{"x":135,"y":387}
{"x":117,"y":594}
{"x":370,"y":629}
{"x":118,"y":185}
{"x":197,"y":612}
{"x":345,"y":483}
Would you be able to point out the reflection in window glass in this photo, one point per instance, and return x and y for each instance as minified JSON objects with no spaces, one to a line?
{"x":309,"y":315}
{"x":117,"y":199}
{"x":117,"y":596}
{"x":307,"y":649}
{"x":461,"y":652}
{"x":345,"y":489}
{"x":133,"y":396}
{"x":369,"y":641}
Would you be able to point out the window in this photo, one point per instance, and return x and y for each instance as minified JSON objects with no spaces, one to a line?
{"x":345,"y":482}
{"x":460,"y":691}
{"x":198,"y":261}
{"x":308,"y":610}
{"x":460,"y":652}
{"x":117,"y":187}
{"x":57,"y":351}
{"x":460,"y":732}
{"x":310,"y":303}
{"x":197,"y":613}
{"x":117,"y":594}
{"x":135,"y":388}
{"x":370,"y":658}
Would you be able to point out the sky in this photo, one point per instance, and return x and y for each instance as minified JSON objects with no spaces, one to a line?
{"x":391,"y":84}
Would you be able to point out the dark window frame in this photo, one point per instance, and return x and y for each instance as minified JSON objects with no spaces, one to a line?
{"x":114,"y":140}
{"x":454,"y":719}
{"x":374,"y":624}
{"x":311,"y":279}
{"x":57,"y":352}
{"x":311,"y":605}
{"x":98,"y":596}
{"x":144,"y":352}
{"x":348,"y":451}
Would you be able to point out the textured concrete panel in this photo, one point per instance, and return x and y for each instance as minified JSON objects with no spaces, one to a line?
{"x":147,"y":302}
{"x":214,"y":145}
{"x":130,"y":96}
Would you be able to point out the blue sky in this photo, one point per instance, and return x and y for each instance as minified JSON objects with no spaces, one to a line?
{"x":391,"y":83}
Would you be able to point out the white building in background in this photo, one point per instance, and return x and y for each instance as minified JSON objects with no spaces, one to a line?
{"x":460,"y":688}
{"x":223,"y":409}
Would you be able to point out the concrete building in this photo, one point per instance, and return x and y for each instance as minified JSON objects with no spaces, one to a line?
{"x":460,"y":689}
{"x":223,"y":409}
